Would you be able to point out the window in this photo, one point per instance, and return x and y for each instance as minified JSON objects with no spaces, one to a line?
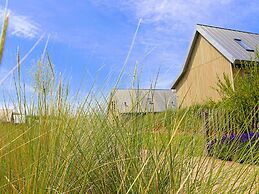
{"x":113,"y":106}
{"x":244,"y":45}
{"x":150,"y":101}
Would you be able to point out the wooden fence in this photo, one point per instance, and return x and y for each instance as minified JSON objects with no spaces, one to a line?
{"x":219,"y":121}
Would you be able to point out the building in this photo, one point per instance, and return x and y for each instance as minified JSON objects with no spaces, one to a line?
{"x":6,"y":115}
{"x":214,"y":51}
{"x":128,"y":101}
{"x":11,"y":116}
{"x":19,"y":118}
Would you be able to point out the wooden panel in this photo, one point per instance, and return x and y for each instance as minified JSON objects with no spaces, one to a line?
{"x":205,"y":66}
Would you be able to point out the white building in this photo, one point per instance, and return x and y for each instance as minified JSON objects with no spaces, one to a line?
{"x":125,"y":101}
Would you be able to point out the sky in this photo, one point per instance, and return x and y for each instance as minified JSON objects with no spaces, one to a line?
{"x":89,"y":41}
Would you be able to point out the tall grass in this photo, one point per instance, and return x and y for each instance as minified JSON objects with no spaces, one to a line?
{"x":3,"y":35}
{"x":77,"y":149}
{"x":73,"y":147}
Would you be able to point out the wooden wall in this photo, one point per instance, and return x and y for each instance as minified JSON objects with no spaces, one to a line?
{"x":200,"y":79}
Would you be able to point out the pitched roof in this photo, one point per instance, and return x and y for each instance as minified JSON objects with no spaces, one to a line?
{"x":144,"y":100}
{"x":234,"y":45}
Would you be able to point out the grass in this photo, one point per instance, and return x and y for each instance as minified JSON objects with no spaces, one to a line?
{"x":73,"y":147}
{"x":80,"y":150}
{"x":89,"y":154}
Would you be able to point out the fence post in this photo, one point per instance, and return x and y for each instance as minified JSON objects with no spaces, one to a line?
{"x":206,"y":130}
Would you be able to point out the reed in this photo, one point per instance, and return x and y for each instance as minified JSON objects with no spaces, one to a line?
{"x":71,"y":146}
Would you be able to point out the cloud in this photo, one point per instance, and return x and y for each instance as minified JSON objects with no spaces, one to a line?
{"x":153,"y":11}
{"x":20,"y":25}
{"x":178,"y":16}
{"x":168,"y":26}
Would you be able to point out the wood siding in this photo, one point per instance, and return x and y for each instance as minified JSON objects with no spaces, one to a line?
{"x":198,"y":84}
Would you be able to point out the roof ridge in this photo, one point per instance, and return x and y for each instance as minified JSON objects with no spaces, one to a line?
{"x":227,"y":29}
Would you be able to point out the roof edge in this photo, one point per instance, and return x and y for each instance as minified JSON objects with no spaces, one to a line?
{"x":214,"y":43}
{"x":206,"y":25}
{"x":204,"y":34}
{"x":190,"y":49}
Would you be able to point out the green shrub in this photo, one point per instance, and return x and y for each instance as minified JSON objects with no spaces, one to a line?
{"x":239,"y":115}
{"x":241,"y":99}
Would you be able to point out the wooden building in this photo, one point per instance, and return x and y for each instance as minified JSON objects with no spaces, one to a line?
{"x":213,"y":52}
{"x":130,"y":101}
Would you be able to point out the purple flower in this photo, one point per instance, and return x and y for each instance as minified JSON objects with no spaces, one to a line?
{"x":232,"y":137}
{"x":228,"y":139}
{"x":244,"y":137}
{"x":251,"y":134}
{"x":223,"y":139}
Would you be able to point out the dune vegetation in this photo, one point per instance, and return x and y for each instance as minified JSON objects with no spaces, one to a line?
{"x":68,"y":145}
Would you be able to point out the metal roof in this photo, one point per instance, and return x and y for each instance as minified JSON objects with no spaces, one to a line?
{"x":223,"y":40}
{"x":143,"y":100}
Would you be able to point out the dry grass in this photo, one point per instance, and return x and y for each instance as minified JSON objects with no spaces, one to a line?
{"x":226,"y":176}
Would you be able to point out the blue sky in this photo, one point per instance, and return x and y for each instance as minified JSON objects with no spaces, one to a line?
{"x":89,"y":40}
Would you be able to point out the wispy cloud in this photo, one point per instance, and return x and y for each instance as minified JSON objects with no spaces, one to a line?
{"x":168,"y":25}
{"x":179,"y":11}
{"x":21,"y":25}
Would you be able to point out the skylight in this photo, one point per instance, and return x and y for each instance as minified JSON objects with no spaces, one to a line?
{"x":244,"y":45}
